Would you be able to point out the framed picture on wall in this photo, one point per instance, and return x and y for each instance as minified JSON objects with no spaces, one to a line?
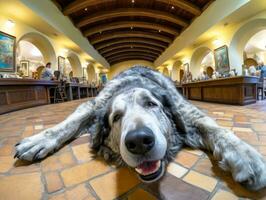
{"x":7,"y":52}
{"x":222,"y":60}
{"x":23,"y":69}
{"x":61,"y":64}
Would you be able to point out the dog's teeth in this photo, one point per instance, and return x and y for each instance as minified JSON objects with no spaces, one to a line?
{"x":139,"y":170}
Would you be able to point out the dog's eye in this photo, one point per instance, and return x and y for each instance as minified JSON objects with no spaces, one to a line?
{"x":151,"y":104}
{"x":117,"y":117}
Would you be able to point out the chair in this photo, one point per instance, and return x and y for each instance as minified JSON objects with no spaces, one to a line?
{"x":60,"y":93}
{"x":57,"y":75}
{"x":264,"y":88}
{"x":261,"y":89}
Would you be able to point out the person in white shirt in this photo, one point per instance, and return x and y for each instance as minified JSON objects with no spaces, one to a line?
{"x":47,"y":73}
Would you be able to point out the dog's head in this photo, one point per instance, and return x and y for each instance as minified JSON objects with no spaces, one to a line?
{"x":137,"y":128}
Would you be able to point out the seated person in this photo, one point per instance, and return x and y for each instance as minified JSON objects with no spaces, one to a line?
{"x":47,"y":73}
{"x":263,"y":70}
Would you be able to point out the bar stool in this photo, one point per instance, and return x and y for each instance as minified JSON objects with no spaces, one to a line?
{"x":60,"y":93}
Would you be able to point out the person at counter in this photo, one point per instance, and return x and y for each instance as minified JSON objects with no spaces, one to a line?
{"x":47,"y":73}
{"x":262,"y":69}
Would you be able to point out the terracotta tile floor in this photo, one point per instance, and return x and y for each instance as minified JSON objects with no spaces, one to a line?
{"x":73,"y":172}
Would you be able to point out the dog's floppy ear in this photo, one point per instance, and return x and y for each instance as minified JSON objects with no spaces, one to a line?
{"x":100,"y":128}
{"x":165,"y":98}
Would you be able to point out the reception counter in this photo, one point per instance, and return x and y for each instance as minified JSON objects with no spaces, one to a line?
{"x":17,"y":94}
{"x":240,"y":90}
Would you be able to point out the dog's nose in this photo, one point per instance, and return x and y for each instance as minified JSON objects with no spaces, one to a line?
{"x":140,"y":141}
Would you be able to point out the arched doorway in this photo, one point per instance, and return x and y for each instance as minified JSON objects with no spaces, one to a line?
{"x":42,"y":44}
{"x":73,"y":64}
{"x":181,"y":74}
{"x":255,"y":49}
{"x":176,"y":71}
{"x":241,"y":38}
{"x":208,"y":64}
{"x":165,"y":71}
{"x":91,"y":74}
{"x":30,"y":60}
{"x":199,"y":58}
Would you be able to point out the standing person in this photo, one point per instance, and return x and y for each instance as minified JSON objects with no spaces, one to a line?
{"x":47,"y":73}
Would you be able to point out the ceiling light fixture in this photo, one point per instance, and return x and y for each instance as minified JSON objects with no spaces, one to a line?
{"x":172,"y":7}
{"x":10,"y":23}
{"x":159,"y":31}
{"x":86,"y":9}
{"x":133,"y":1}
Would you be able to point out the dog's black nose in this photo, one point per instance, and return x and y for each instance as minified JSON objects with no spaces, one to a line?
{"x":140,"y":141}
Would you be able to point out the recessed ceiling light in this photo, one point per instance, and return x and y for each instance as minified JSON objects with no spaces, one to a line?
{"x":172,"y":7}
{"x":86,"y":9}
{"x":133,"y":1}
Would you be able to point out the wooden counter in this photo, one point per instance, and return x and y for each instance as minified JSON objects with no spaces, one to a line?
{"x":240,"y":90}
{"x":17,"y":94}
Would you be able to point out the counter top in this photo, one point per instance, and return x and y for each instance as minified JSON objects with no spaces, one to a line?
{"x":17,"y":81}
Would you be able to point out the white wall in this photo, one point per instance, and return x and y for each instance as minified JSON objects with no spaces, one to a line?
{"x":119,"y":67}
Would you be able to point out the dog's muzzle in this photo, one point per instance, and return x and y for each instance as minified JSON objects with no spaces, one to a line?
{"x":140,"y":142}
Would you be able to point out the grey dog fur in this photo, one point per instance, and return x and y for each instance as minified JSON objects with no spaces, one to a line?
{"x":187,"y":125}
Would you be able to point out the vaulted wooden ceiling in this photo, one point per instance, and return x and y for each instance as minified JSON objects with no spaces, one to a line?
{"x":131,"y":29}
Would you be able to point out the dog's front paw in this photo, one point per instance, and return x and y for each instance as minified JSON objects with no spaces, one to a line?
{"x":249,"y":169}
{"x":35,"y":147}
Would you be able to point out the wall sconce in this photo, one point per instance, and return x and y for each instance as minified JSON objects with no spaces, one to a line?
{"x":10,"y":23}
{"x":217,"y":42}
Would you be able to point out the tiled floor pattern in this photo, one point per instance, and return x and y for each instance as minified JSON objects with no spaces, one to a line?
{"x":73,"y":172}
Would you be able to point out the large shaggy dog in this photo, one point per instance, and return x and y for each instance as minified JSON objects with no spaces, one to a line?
{"x":140,"y":120}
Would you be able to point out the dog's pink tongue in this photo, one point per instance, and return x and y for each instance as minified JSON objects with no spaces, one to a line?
{"x":147,"y":167}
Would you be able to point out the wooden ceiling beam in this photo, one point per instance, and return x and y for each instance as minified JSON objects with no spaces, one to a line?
{"x":185,"y":5}
{"x":132,"y":25}
{"x":131,"y":54}
{"x":78,"y":5}
{"x":129,"y":34}
{"x":129,"y":45}
{"x":130,"y":58}
{"x":146,"y":41}
{"x":131,"y":12}
{"x":151,"y":52}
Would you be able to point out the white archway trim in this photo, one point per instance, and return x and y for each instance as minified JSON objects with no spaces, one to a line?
{"x":196,"y":59}
{"x":75,"y":64}
{"x":43,"y":44}
{"x":240,"y":39}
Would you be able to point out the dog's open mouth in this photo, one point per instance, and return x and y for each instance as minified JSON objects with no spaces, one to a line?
{"x":150,"y":171}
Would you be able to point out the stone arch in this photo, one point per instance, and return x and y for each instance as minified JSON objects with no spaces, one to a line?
{"x":43,"y":44}
{"x":240,"y":39}
{"x":196,"y":60}
{"x":75,"y":64}
{"x":91,"y":74}
{"x":176,"y":70}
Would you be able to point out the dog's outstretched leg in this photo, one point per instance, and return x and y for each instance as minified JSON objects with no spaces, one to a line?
{"x":246,"y":165}
{"x":38,"y":146}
